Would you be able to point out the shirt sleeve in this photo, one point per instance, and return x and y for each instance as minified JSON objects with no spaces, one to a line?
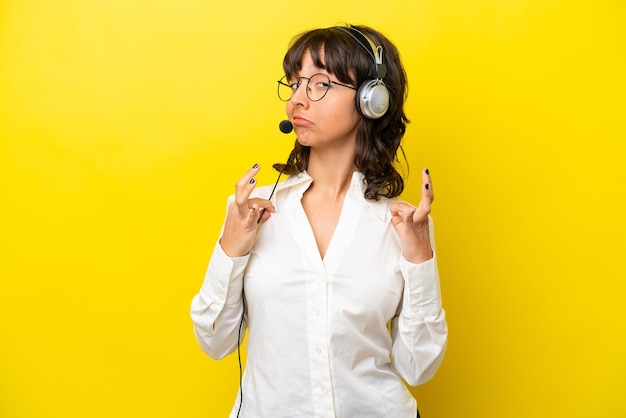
{"x":419,"y":331}
{"x":216,"y":311}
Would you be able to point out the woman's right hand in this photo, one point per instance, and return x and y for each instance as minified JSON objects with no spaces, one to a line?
{"x":244,"y":216}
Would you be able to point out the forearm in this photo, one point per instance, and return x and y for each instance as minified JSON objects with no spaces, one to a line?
{"x":419,"y":331}
{"x":216,"y":311}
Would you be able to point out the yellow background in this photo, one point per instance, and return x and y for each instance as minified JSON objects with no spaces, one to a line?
{"x":125,"y":124}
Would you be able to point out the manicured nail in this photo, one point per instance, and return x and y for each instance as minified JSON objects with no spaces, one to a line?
{"x":255,"y":166}
{"x":252,"y":181}
{"x":426,"y":171}
{"x":426,"y":186}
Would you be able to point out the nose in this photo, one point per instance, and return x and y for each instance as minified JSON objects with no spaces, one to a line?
{"x":299,"y":97}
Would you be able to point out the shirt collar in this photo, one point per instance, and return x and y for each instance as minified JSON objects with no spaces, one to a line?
{"x":301,"y":182}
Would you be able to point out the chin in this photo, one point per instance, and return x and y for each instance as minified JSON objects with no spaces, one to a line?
{"x":304,"y":140}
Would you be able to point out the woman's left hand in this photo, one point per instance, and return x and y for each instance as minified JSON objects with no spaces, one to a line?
{"x":411,"y":223}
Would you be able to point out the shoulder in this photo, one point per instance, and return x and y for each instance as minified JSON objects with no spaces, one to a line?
{"x":262,"y":192}
{"x":295,"y":181}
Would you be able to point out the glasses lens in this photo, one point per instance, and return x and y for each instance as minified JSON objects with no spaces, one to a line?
{"x":318,"y":87}
{"x":285,"y":89}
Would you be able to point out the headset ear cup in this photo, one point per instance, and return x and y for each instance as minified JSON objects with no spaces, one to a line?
{"x":373,"y":99}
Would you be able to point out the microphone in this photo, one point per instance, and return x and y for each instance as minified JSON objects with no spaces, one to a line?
{"x":285,"y":126}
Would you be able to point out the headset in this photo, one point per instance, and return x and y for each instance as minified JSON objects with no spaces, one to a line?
{"x":372,"y":99}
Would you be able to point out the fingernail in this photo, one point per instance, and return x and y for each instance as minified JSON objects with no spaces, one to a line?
{"x":252,"y":181}
{"x":426,"y":171}
{"x":426,"y":186}
{"x":255,"y":166}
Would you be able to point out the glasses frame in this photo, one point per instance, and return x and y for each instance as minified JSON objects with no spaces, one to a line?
{"x":306,"y":91}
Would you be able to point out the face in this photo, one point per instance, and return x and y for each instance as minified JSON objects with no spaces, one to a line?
{"x":330,"y":122}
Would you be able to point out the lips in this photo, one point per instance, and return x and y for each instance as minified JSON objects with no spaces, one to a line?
{"x":301,"y":121}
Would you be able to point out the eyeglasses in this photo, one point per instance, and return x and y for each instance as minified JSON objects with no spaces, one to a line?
{"x":316,"y":87}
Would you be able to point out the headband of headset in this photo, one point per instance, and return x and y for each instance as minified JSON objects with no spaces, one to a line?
{"x":376,"y":52}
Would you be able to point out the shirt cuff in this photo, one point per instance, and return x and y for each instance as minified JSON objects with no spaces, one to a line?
{"x":422,"y":287}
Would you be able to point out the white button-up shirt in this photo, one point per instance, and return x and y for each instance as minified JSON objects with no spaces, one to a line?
{"x":327,"y":337}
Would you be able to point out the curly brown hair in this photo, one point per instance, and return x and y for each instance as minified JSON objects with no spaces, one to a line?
{"x":378,"y":140}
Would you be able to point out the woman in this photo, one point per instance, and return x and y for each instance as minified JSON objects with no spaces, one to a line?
{"x":334,"y":277}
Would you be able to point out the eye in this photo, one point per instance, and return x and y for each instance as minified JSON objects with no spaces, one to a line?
{"x":322,"y":85}
{"x":293,"y":84}
{"x":320,"y":82}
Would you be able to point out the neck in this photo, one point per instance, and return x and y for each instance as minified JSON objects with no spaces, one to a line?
{"x":331,"y":175}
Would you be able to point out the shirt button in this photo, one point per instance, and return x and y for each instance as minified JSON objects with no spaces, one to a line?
{"x":323,"y":387}
{"x":318,"y":350}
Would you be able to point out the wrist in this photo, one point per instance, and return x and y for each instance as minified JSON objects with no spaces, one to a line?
{"x":419,"y":251}
{"x":232,"y":250}
{"x":418,"y":258}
